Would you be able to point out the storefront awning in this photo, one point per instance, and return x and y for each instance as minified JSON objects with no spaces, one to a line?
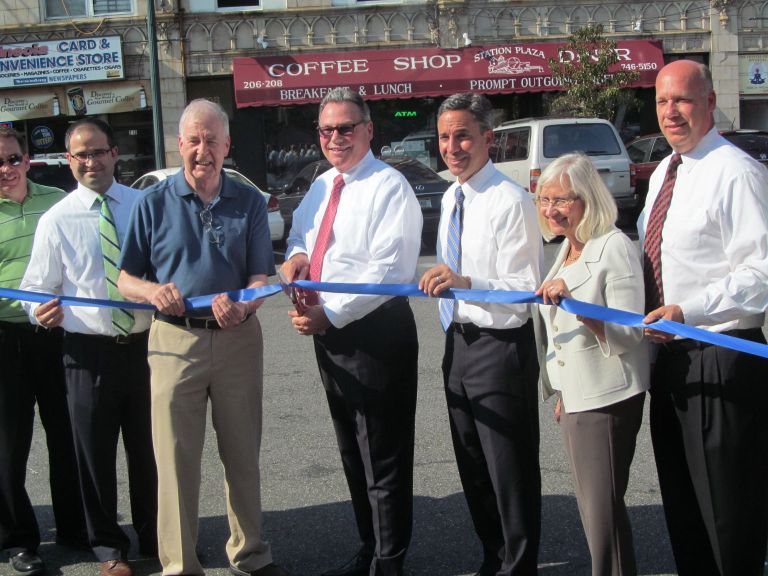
{"x":420,"y":72}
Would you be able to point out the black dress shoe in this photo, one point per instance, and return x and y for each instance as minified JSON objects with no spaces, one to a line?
{"x":359,"y":565}
{"x":27,"y":563}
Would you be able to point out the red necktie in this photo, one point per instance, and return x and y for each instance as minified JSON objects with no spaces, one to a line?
{"x":324,"y":236}
{"x":654,"y":291}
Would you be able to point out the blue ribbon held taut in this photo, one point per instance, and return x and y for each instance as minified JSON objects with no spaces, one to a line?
{"x":621,"y":317}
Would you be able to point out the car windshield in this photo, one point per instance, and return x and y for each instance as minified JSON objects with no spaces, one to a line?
{"x":590,"y":139}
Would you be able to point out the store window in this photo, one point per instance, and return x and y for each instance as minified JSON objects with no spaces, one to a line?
{"x":80,"y":8}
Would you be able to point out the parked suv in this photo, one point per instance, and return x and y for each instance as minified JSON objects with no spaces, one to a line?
{"x":523,"y":148}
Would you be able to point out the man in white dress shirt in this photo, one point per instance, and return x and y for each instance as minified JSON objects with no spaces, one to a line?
{"x":704,"y":231}
{"x":490,"y":367}
{"x":105,"y":361}
{"x":361,"y":222}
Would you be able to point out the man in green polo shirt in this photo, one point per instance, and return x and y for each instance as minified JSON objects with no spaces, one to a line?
{"x":31,"y":371}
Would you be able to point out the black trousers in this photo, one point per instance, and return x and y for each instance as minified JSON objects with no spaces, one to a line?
{"x":32,"y":373}
{"x":710,"y":437}
{"x":108,"y":391}
{"x":491,"y":389}
{"x":369,"y":371}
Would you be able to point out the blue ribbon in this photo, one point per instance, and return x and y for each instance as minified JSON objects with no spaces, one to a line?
{"x":194,"y":303}
{"x":621,"y":317}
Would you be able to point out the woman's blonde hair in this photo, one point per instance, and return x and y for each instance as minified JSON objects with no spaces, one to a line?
{"x":576,"y":174}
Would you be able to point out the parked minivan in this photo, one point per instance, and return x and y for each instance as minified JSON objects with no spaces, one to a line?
{"x":523,"y":148}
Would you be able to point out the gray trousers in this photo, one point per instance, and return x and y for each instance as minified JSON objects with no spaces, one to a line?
{"x":600,"y":445}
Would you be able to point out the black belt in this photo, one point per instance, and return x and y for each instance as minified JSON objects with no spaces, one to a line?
{"x":687,"y":344}
{"x":392,"y":302}
{"x":205,"y":323}
{"x":470,"y":328}
{"x":26,"y":327}
{"x":119,"y":339}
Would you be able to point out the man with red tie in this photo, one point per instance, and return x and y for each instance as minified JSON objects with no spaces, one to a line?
{"x":704,"y":232}
{"x":361,"y":222}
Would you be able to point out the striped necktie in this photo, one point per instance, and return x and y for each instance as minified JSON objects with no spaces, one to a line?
{"x":122,"y":319}
{"x":654,"y":289}
{"x":446,"y":305}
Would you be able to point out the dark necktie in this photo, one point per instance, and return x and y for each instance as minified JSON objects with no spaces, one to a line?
{"x":654,"y":290}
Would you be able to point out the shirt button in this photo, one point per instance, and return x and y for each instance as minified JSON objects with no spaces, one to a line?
{"x":555,"y":328}
{"x":557,"y":347}
{"x":560,"y":363}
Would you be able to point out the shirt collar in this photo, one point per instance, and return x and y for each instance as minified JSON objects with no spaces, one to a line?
{"x":477,"y":182}
{"x":709,"y":142}
{"x":32,"y":190}
{"x":87,"y":196}
{"x":359,"y":169}
{"x":182,"y":188}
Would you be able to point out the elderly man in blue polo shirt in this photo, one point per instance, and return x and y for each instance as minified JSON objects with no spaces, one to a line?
{"x":202,"y":233}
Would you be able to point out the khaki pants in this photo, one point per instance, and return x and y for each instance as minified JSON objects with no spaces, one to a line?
{"x":188,"y":367}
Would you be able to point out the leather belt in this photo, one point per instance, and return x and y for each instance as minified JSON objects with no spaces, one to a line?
{"x":204,"y":323}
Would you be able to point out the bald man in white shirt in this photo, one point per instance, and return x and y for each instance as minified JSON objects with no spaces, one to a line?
{"x":705,"y":236}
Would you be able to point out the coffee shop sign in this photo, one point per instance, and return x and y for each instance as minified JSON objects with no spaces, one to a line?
{"x":61,"y":62}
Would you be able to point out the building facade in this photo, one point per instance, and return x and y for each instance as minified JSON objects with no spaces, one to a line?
{"x":204,"y":45}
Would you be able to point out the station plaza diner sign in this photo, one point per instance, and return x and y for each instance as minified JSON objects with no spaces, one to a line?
{"x":421,"y":72}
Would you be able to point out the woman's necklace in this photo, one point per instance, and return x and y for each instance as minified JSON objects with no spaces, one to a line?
{"x":572,"y":256}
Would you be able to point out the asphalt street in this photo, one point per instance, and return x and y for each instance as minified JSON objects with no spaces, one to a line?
{"x":307,"y":513}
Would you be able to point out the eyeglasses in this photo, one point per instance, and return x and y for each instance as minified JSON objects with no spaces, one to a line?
{"x":214,"y":233}
{"x":12,"y":160}
{"x":342,"y":129}
{"x":97,"y":154}
{"x":545,"y":202}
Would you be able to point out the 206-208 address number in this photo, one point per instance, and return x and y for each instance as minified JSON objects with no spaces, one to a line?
{"x":251,"y":84}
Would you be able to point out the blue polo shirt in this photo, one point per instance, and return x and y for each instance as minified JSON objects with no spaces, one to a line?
{"x":167,"y":241}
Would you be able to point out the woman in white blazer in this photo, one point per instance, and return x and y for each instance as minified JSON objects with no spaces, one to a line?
{"x":599,"y":371}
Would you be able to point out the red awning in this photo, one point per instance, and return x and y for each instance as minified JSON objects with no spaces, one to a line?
{"x":419,"y":72}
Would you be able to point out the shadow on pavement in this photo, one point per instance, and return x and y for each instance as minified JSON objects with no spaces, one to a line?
{"x":309,"y":540}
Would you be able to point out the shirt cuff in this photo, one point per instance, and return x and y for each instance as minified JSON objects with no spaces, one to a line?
{"x":693,"y":312}
{"x":479,"y":283}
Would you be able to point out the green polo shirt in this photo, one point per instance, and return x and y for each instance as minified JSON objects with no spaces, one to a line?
{"x":18,"y":223}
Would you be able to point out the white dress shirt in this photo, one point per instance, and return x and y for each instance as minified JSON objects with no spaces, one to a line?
{"x":376,"y":234}
{"x":501,"y":245}
{"x":66,"y":258}
{"x":714,"y":251}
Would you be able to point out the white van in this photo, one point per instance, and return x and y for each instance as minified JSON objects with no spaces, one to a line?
{"x":523,"y":148}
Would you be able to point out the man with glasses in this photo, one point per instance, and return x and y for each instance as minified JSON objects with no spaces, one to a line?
{"x":361,"y":222}
{"x":489,"y":239}
{"x":198,"y":233}
{"x":105,"y":350}
{"x":32,"y":373}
